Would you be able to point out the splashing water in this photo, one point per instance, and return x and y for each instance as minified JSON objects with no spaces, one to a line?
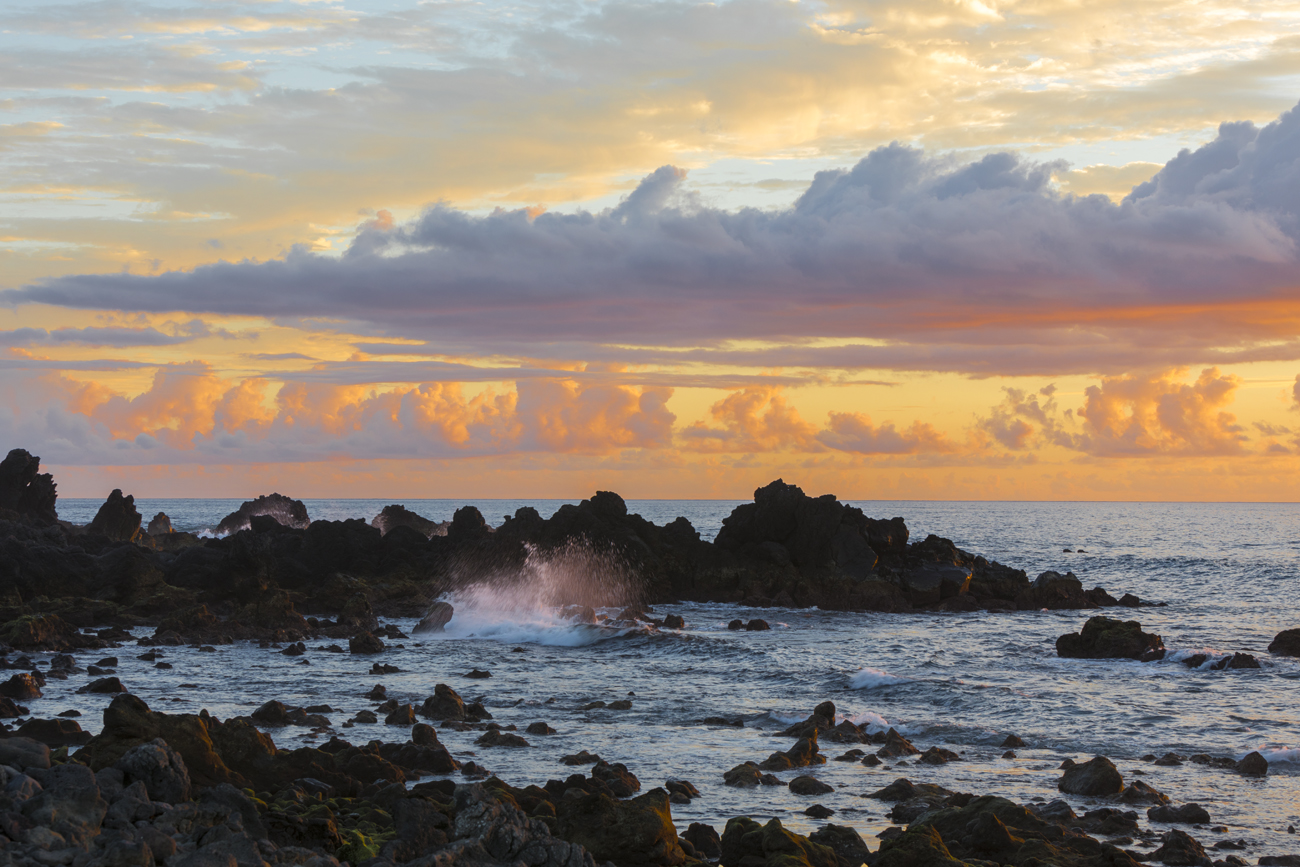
{"x":541,"y":601}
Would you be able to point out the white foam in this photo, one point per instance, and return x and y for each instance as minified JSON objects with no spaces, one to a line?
{"x":1212,"y":656}
{"x":871,"y":720}
{"x":874,"y":678}
{"x":1276,"y":755}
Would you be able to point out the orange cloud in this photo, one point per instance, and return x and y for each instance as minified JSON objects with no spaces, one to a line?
{"x":1158,"y":414}
{"x":854,"y":432}
{"x":755,"y":419}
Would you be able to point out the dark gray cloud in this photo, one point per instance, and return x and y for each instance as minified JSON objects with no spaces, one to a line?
{"x":913,"y":261}
{"x":113,"y":336}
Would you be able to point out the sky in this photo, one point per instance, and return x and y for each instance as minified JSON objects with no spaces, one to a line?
{"x":885,"y":249}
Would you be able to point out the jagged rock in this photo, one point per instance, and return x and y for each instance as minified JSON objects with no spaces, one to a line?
{"x":635,"y":832}
{"x":21,"y":687}
{"x":488,"y":831}
{"x":801,"y":755}
{"x":896,"y":746}
{"x":1139,"y":792}
{"x":1107,"y":638}
{"x":69,"y":803}
{"x":117,"y":519}
{"x":160,"y":525}
{"x":25,"y":491}
{"x":444,"y":704}
{"x":1096,"y":777}
{"x":746,"y":842}
{"x":498,"y":738}
{"x":397,"y":515}
{"x":286,"y":512}
{"x":1179,"y":849}
{"x":705,"y":840}
{"x":938,"y":756}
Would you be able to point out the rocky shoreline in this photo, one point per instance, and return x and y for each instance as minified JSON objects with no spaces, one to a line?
{"x":192,"y":790}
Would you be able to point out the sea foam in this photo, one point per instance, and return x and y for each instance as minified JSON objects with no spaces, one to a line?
{"x":874,"y":678}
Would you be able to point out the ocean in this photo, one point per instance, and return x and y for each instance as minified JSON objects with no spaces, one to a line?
{"x":1228,"y":573}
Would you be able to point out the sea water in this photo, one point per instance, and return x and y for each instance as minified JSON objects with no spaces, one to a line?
{"x":1228,"y":573}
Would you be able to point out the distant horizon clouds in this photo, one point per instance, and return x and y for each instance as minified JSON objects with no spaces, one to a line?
{"x":609,"y":242}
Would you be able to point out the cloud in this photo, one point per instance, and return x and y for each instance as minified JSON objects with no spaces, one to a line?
{"x":1012,"y":424}
{"x":111,"y":336}
{"x":854,"y":432}
{"x":936,"y":263}
{"x":755,"y":419}
{"x":1159,"y":415}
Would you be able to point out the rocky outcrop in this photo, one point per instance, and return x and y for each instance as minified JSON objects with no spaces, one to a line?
{"x":26,"y":494}
{"x":1093,"y":778}
{"x":160,"y":525}
{"x":286,"y":512}
{"x":746,"y":842}
{"x":117,"y":519}
{"x":399,"y":516}
{"x":436,"y":620}
{"x":1107,"y":638}
{"x":630,"y":833}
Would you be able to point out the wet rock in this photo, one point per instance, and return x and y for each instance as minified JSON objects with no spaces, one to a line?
{"x":477,"y":674}
{"x":378,"y":692}
{"x":581,"y":757}
{"x":871,"y":760}
{"x":746,"y":842}
{"x":1253,"y":765}
{"x":273,"y":713}
{"x":539,"y":728}
{"x":1169,"y":760}
{"x":1107,"y":638}
{"x":1179,"y":849}
{"x":498,"y":738}
{"x":896,"y":746}
{"x":743,"y":776}
{"x":366,"y":716}
{"x":444,"y":704}
{"x":403,"y":715}
{"x":635,"y":832}
{"x":821,"y":719}
{"x":1139,"y":792}
{"x":1012,"y":742}
{"x":436,"y":619}
{"x":21,"y":687}
{"x":286,"y":512}
{"x":365,"y":642}
{"x":903,"y":789}
{"x":1010,"y":754}
{"x":736,"y":625}
{"x":1187,"y":814}
{"x":756,"y":625}
{"x":69,"y":803}
{"x":9,"y":710}
{"x":1286,"y":643}
{"x":722,"y":721}
{"x":806,"y":785}
{"x":103,"y":686}
{"x":801,"y":755}
{"x":160,"y":768}
{"x":396,"y":515}
{"x":938,"y":756}
{"x":681,"y":791}
{"x":674,"y":621}
{"x":1092,"y":778}
{"x":705,"y":840}
{"x":295,"y":649}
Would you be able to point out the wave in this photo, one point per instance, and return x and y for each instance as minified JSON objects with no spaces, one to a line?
{"x":874,"y":678}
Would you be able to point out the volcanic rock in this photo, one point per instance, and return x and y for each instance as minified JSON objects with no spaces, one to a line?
{"x":1093,"y":778}
{"x":1107,"y":638}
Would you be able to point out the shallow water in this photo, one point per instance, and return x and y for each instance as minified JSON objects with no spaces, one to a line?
{"x":964,"y":681}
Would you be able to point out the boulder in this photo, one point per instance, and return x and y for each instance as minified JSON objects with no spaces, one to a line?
{"x":896,"y":746}
{"x":1139,"y":792}
{"x":117,"y":519}
{"x":25,"y":491}
{"x":1187,"y":814}
{"x":21,"y":687}
{"x":1253,"y":765}
{"x":69,"y":803}
{"x":488,"y":831}
{"x":160,"y":768}
{"x":444,"y":704}
{"x":705,"y":840}
{"x":630,"y":833}
{"x":55,"y":733}
{"x":1107,"y":638}
{"x":366,"y":643}
{"x":498,"y":738}
{"x":1179,"y":849}
{"x":746,"y":842}
{"x":845,"y":842}
{"x":103,"y":686}
{"x":1286,"y":643}
{"x":806,"y":785}
{"x":1093,"y":778}
{"x":24,"y":753}
{"x":437,"y":618}
{"x":286,"y":512}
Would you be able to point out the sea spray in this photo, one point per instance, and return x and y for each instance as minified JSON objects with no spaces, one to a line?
{"x":528,"y":602}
